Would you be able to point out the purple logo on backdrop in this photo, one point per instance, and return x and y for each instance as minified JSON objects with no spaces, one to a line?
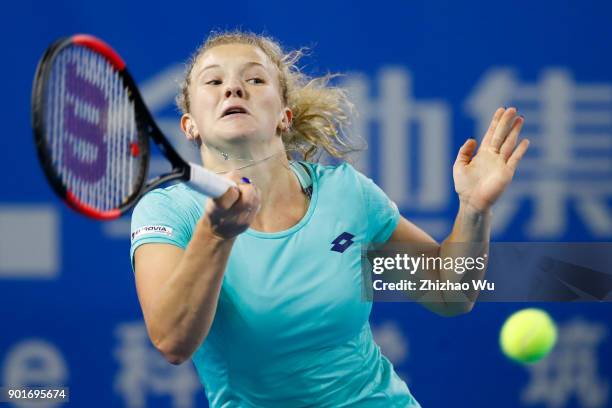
{"x":85,"y":116}
{"x":342,"y":242}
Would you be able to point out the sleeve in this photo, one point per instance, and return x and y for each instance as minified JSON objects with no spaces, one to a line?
{"x":158,"y":218}
{"x":382,"y":213}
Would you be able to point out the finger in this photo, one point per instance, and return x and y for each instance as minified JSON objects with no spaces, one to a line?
{"x":249,"y":204}
{"x":465,"y":152}
{"x":249,"y":197}
{"x":234,"y":176}
{"x":503,"y":128}
{"x":228,"y":199}
{"x":247,"y":207}
{"x":247,"y":216}
{"x":510,"y":142}
{"x":518,"y":153}
{"x":492,"y":126}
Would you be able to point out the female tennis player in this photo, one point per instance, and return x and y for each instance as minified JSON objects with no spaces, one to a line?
{"x":262,"y":287}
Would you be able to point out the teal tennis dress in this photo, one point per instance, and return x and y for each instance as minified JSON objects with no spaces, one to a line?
{"x":291,"y":327}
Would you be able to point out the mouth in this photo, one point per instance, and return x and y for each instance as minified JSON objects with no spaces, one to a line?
{"x":234,"y":110}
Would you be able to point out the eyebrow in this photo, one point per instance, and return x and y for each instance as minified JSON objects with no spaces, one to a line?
{"x":247,"y":65}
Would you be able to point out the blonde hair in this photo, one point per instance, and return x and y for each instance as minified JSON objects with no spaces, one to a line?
{"x":321,"y":112}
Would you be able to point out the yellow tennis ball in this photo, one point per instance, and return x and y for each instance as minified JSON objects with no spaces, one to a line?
{"x":528,"y":335}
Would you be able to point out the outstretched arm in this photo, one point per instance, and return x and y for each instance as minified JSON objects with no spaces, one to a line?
{"x":480,"y":180}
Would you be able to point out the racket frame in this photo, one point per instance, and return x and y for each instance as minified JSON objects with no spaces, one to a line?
{"x":145,"y":125}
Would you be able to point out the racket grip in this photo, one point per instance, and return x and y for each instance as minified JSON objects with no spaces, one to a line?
{"x":207,"y":182}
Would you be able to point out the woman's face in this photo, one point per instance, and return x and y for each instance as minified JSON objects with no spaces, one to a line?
{"x":235,"y":96}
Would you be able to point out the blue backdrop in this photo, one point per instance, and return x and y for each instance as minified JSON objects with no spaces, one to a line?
{"x":424,"y":75}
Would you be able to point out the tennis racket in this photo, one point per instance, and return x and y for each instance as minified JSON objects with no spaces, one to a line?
{"x":92,"y":131}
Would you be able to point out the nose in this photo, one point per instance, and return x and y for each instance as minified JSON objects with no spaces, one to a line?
{"x":234,"y":88}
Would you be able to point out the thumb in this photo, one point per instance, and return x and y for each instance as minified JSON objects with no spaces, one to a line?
{"x":466,"y":151}
{"x":228,"y":199}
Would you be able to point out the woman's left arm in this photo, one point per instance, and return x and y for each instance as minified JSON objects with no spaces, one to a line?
{"x":480,"y":180}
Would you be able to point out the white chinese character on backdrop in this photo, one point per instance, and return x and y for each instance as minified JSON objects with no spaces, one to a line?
{"x":413,"y":144}
{"x":393,"y":344}
{"x":569,"y":162}
{"x":143,"y":371}
{"x":570,"y":370}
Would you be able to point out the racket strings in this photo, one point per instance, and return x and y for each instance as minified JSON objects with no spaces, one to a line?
{"x":90,"y":129}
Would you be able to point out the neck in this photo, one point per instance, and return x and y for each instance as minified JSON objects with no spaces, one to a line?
{"x":228,"y":157}
{"x":269,"y":171}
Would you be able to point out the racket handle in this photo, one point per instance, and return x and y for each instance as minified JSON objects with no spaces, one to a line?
{"x":207,"y":182}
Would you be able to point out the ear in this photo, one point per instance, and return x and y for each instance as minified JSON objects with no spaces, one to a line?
{"x":286,"y":119}
{"x":189,"y":127}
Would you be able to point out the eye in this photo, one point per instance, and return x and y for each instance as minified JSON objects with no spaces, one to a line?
{"x":214,"y":82}
{"x":256,"y":81}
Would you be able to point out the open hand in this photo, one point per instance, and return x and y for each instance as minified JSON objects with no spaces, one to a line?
{"x":480,"y":180}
